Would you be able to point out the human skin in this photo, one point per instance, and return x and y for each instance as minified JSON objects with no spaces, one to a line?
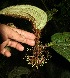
{"x":13,"y":37}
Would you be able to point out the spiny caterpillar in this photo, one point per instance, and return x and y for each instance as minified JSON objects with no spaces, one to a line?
{"x":40,"y":55}
{"x":38,"y":18}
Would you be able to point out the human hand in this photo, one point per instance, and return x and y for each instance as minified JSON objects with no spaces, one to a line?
{"x":12,"y":37}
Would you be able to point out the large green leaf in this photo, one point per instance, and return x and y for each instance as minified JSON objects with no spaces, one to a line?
{"x":61,"y":44}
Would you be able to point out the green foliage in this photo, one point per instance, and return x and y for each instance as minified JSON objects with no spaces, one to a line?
{"x":50,"y":14}
{"x":60,"y":41}
{"x":61,"y":44}
{"x":18,"y":71}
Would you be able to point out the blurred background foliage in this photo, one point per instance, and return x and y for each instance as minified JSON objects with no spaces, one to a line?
{"x":57,"y":66}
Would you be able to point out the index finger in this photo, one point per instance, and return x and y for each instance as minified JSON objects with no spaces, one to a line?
{"x":20,"y":38}
{"x":25,"y":33}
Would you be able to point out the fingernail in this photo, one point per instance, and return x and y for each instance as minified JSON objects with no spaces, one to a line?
{"x":33,"y":43}
{"x":21,"y":48}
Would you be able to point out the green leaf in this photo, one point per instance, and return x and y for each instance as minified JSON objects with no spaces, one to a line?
{"x":61,"y":44}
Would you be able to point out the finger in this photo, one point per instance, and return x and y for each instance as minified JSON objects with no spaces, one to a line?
{"x":16,"y":45}
{"x":4,"y":44}
{"x":10,"y":33}
{"x":25,"y":33}
{"x":13,"y":44}
{"x":29,"y":42}
{"x":6,"y":52}
{"x":15,"y":36}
